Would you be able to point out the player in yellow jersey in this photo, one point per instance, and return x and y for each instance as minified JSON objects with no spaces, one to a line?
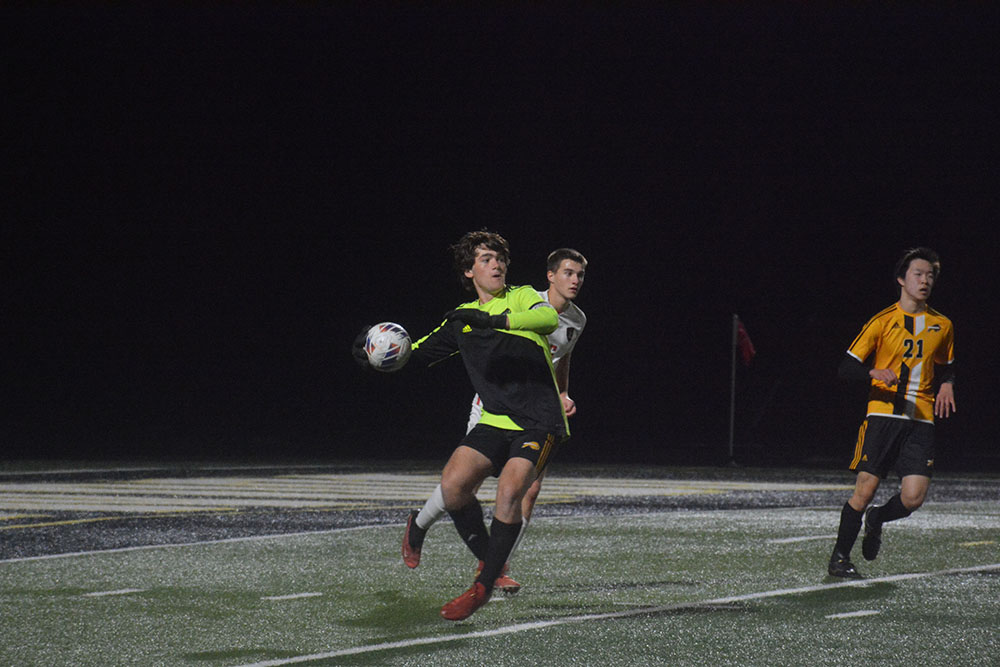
{"x":911,"y":375}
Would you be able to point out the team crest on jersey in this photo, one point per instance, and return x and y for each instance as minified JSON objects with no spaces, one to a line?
{"x":531,"y":445}
{"x":570,"y":333}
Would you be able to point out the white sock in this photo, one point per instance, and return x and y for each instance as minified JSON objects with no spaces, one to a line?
{"x":432,"y":510}
{"x":520,"y":536}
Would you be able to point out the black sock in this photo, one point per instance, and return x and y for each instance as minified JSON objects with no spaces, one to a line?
{"x":850,"y":525}
{"x":502,"y":538}
{"x":417,"y":535}
{"x":471,"y":527}
{"x":892,"y":510}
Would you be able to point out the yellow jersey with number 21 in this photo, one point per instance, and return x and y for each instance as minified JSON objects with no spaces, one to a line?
{"x":910,"y":345}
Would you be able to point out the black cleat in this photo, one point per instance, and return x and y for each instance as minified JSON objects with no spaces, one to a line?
{"x":873,"y":537}
{"x":841,"y":567}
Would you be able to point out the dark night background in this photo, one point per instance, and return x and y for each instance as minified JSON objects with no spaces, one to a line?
{"x":204,"y":205}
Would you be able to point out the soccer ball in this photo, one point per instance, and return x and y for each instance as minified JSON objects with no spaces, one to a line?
{"x":387,"y":346}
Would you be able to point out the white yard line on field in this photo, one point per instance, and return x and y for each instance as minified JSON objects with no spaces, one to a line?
{"x":644,"y":611}
{"x":200,"y":543}
{"x":855,"y":614}
{"x":804,"y":538}
{"x":120,"y":591}
{"x":292,"y":596}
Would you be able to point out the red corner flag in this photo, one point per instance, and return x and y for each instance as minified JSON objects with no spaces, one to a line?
{"x":747,"y":350}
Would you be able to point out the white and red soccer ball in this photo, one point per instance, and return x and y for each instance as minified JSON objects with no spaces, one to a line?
{"x":387,"y":346}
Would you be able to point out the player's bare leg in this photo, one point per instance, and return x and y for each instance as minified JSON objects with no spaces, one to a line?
{"x":515,"y":478}
{"x":865,"y":487}
{"x":420,"y":522}
{"x":462,"y":475}
{"x":505,"y":582}
{"x":465,"y":471}
{"x":912,"y":493}
{"x":530,"y":497}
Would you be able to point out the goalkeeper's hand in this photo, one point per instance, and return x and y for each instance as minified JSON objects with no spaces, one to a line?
{"x":476,"y":318}
{"x":358,"y":349}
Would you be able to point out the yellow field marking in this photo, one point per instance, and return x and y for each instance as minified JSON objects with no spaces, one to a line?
{"x":328,"y":491}
{"x":982,"y":543}
{"x":187,"y":513}
{"x":95,"y":519}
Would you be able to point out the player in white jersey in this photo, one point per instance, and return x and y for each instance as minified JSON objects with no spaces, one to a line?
{"x":566,"y":270}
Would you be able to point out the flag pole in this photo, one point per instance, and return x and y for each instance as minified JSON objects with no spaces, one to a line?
{"x":732,"y":388}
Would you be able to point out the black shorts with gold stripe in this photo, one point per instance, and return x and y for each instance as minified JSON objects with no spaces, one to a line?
{"x":500,"y":445}
{"x":886,"y":443}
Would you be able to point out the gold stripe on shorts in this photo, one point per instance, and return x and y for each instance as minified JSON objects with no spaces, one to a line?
{"x":546,"y":450}
{"x":859,"y":446}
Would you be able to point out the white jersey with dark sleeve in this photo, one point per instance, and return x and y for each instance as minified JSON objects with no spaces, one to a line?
{"x":561,"y":344}
{"x":571,"y":324}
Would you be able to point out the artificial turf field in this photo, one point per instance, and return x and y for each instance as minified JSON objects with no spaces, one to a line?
{"x":229,"y":565}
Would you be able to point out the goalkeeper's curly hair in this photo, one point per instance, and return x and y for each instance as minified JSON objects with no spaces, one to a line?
{"x":464,"y":252}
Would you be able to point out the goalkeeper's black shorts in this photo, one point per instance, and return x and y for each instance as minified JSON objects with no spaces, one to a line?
{"x":500,"y":445}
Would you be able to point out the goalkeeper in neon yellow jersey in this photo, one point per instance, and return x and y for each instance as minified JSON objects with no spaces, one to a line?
{"x":500,"y":336}
{"x":566,"y":271}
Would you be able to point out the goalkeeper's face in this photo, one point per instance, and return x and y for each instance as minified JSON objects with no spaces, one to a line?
{"x":488,"y":272}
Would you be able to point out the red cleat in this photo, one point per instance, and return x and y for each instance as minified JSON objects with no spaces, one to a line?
{"x":503,"y":583}
{"x":466,"y":604}
{"x":506,"y":585}
{"x":411,"y":555}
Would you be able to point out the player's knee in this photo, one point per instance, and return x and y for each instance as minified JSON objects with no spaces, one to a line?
{"x":864,"y":490}
{"x":508,"y":505}
{"x":861,"y":499}
{"x":913,"y":500}
{"x":449,"y":498}
{"x":508,"y":499}
{"x":454,"y":493}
